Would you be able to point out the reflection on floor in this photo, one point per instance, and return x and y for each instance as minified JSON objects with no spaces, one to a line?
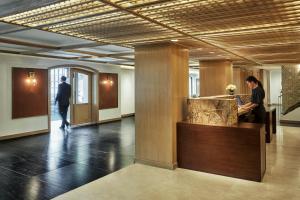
{"x":45,"y":166}
{"x":282,"y":179}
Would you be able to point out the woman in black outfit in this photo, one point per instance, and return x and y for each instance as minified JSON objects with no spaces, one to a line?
{"x":257,"y":100}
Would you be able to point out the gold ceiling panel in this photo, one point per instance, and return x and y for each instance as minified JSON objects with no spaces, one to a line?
{"x":257,"y":40}
{"x":93,"y":20}
{"x":66,"y":10}
{"x":216,"y":16}
{"x":134,"y":3}
{"x":232,"y":24}
{"x":118,"y":27}
{"x":271,"y":49}
{"x":253,"y":30}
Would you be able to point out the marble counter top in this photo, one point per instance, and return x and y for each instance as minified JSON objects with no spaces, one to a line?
{"x":215,"y":110}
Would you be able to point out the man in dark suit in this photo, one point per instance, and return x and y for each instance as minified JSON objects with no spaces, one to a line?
{"x":63,"y":99}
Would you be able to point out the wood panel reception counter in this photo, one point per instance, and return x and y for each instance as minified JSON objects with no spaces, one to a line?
{"x":236,"y":151}
{"x":213,"y":140}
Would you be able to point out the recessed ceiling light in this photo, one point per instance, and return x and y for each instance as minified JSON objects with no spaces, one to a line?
{"x":211,"y":52}
{"x":174,"y":40}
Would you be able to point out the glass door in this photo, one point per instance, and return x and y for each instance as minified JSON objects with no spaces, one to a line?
{"x":55,"y":75}
{"x":82,"y":97}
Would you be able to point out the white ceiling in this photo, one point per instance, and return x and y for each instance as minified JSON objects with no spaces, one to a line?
{"x":114,"y":48}
{"x":17,"y":48}
{"x":23,"y":36}
{"x":62,"y":53}
{"x":96,"y":50}
{"x":47,"y":38}
{"x":104,"y":59}
{"x":4,"y":27}
{"x":9,"y":7}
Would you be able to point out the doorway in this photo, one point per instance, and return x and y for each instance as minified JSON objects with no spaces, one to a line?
{"x":80,"y":110}
{"x":55,"y":75}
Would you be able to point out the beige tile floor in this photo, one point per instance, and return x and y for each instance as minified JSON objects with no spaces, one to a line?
{"x":281,"y":181}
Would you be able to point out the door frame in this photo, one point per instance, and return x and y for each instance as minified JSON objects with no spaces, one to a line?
{"x":73,"y":104}
{"x":94,"y":94}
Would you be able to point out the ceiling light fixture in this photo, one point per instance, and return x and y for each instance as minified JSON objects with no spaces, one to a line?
{"x":174,"y":40}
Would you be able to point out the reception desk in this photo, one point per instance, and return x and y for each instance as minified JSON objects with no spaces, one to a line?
{"x":213,"y":140}
{"x":237,"y":151}
{"x":270,"y":123}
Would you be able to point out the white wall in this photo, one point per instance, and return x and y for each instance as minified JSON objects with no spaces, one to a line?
{"x":193,"y":76}
{"x":7,"y":125}
{"x":266,"y":84}
{"x":7,"y":61}
{"x":112,"y":113}
{"x":292,"y":116}
{"x":275,"y":85}
{"x":127,"y":91}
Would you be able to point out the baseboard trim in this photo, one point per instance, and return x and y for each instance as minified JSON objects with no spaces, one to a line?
{"x":82,"y":125}
{"x":275,"y":104}
{"x":153,"y":163}
{"x":25,"y":134}
{"x":128,"y":115}
{"x":289,"y":123}
{"x":109,"y":120}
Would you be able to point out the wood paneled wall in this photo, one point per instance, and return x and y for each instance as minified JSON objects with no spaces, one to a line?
{"x":29,"y":100}
{"x":161,"y":90}
{"x":239,"y":78}
{"x":214,"y":77}
{"x":108,"y":90}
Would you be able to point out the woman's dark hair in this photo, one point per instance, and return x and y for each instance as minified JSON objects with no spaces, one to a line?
{"x":254,"y":80}
{"x":260,"y":84}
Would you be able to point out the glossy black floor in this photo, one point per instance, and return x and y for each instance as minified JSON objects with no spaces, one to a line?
{"x":45,"y":166}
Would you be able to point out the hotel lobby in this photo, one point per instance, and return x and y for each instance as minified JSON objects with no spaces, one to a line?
{"x":149,"y":99}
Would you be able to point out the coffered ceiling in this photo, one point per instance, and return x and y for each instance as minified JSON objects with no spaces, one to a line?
{"x":249,"y":32}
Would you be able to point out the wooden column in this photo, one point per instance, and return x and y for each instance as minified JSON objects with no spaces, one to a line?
{"x":214,"y":77}
{"x":238,"y":80}
{"x":266,"y":83}
{"x":161,"y":90}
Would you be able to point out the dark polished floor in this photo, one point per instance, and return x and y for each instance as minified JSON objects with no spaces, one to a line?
{"x":45,"y":166}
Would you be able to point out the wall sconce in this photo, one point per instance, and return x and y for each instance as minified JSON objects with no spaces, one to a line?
{"x":108,"y":81}
{"x":31,"y":79}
